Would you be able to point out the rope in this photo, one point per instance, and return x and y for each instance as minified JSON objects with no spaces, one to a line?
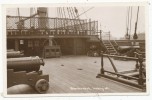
{"x":130,"y":20}
{"x":74,"y":18}
{"x":76,"y":12}
{"x":127,"y":23}
{"x":63,"y":16}
{"x":85,"y":13}
{"x":135,"y":34}
{"x":72,"y":14}
{"x":60,"y":17}
{"x":69,"y":15}
{"x":137,"y":14}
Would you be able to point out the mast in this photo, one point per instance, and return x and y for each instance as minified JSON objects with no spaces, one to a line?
{"x":135,"y":32}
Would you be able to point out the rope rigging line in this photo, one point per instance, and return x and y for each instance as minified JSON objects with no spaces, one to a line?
{"x":68,"y":22}
{"x":137,"y":14}
{"x":66,"y":17}
{"x":69,"y":17}
{"x":60,"y":17}
{"x":63,"y":17}
{"x":70,"y":9}
{"x":127,"y":23}
{"x":84,"y":13}
{"x":75,"y":17}
{"x":77,"y":14}
{"x":65,"y":21}
{"x":135,"y":34}
{"x":130,"y":20}
{"x":81,"y":25}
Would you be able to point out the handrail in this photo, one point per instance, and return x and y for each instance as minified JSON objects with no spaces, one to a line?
{"x":103,"y":45}
{"x":113,"y":46}
{"x":140,"y":80}
{"x":47,"y":32}
{"x":116,"y":42}
{"x":129,"y":58}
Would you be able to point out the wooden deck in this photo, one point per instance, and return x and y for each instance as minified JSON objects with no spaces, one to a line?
{"x":77,"y":74}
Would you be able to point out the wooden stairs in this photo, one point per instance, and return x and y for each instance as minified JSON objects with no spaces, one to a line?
{"x":109,"y":47}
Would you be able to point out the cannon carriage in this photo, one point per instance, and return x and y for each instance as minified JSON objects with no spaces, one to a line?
{"x":26,"y":70}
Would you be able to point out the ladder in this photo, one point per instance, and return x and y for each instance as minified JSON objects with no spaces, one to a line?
{"x":110,"y":48}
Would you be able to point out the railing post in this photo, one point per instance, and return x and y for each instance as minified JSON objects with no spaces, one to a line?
{"x":102,"y":64}
{"x":137,"y":64}
{"x":140,"y":59}
{"x":102,"y":69}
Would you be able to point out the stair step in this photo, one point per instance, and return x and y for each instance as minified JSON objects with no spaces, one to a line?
{"x":107,"y":44}
{"x":110,"y":48}
{"x":113,"y":53}
{"x":105,"y":41}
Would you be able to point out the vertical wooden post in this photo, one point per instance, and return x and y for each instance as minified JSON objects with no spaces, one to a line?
{"x":90,"y":25}
{"x":50,"y":41}
{"x":140,"y":81}
{"x":100,"y":34}
{"x":102,"y":64}
{"x":16,"y":45}
{"x":54,"y":23}
{"x":97,"y":26}
{"x":109,"y":35}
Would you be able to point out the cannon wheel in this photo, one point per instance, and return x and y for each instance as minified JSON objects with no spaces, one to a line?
{"x":42,"y":86}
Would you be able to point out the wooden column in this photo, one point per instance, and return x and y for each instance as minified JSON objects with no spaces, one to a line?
{"x":50,"y":41}
{"x":16,"y":45}
{"x":75,"y":48}
{"x":90,"y":26}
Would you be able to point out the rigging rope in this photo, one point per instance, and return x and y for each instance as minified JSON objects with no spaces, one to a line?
{"x":85,"y":13}
{"x":130,"y":20}
{"x":65,"y":21}
{"x":77,"y":14}
{"x":127,"y":23}
{"x":69,"y":16}
{"x":135,"y":34}
{"x":76,"y":19}
{"x":60,"y":17}
{"x":70,"y":9}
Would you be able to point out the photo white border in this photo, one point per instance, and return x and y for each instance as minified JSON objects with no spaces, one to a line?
{"x":77,"y":4}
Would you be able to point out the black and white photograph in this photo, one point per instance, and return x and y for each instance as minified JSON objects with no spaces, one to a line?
{"x":77,"y":50}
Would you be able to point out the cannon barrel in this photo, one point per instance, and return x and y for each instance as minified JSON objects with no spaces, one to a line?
{"x":25,"y":63}
{"x":9,"y":50}
{"x":13,"y":54}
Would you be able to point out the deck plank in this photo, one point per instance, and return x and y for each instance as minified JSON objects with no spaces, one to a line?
{"x":65,"y":76}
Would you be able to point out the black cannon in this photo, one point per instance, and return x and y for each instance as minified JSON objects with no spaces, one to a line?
{"x":14,"y":54}
{"x":26,"y":70}
{"x":25,"y":63}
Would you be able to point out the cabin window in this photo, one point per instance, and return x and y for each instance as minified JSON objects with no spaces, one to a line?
{"x":30,"y":44}
{"x":21,"y":41}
